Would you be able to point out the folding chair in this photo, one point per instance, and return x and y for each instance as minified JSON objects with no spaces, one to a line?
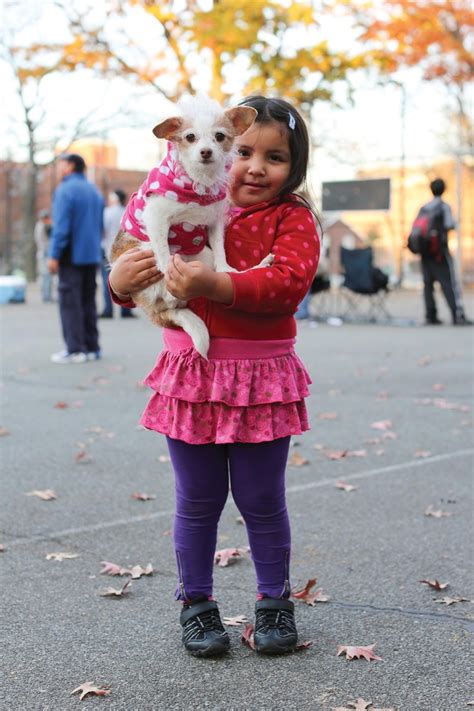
{"x":365,"y":287}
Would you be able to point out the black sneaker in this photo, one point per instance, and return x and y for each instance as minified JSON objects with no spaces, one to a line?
{"x":203,"y":633}
{"x":433,"y":321}
{"x":275,"y":629}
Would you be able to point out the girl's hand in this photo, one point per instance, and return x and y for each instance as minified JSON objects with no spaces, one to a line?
{"x":188,"y":280}
{"x":133,"y":271}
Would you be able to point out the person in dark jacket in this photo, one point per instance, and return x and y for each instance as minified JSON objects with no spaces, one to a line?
{"x":74,"y":254}
{"x":439,"y":266}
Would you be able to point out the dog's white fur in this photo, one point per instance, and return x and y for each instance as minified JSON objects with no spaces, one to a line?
{"x":205,"y":120}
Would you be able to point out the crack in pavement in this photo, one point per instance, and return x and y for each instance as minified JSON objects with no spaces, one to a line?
{"x":404,"y":611}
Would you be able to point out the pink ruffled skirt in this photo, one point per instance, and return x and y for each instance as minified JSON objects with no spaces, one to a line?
{"x":247,"y":391}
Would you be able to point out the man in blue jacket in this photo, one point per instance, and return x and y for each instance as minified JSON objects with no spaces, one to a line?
{"x":74,"y":254}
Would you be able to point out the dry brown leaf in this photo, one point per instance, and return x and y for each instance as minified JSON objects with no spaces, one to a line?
{"x":83,"y":457}
{"x":137,"y":571}
{"x":357,"y":453}
{"x":229,"y":555}
{"x":389,"y":435}
{"x":359,"y":705}
{"x":114,"y":592}
{"x":451,"y":600}
{"x":4,"y":432}
{"x":358,"y":652}
{"x":89,"y":687}
{"x":381,"y":425}
{"x":142,"y":496}
{"x":318,"y":446}
{"x":431,"y":511}
{"x":296,"y":460}
{"x":327,"y":416}
{"x":235,"y":621}
{"x":2,"y":548}
{"x":310,"y":598}
{"x":61,"y":405}
{"x":164,"y":458}
{"x":422,"y":454}
{"x":345,"y":487}
{"x":435,"y":584}
{"x":61,"y":556}
{"x":43,"y":494}
{"x":247,"y":637}
{"x":335,"y":454}
{"x":111,"y":568}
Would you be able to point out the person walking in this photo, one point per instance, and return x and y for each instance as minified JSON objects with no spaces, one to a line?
{"x":112,"y":217}
{"x":438,"y":264}
{"x":42,"y":234}
{"x":74,"y":254}
{"x":228,"y":419}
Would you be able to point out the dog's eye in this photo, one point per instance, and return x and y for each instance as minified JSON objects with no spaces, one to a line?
{"x":220,"y":137}
{"x":190,"y":138}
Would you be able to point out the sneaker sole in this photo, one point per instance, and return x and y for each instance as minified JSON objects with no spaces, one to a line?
{"x":275,"y":649}
{"x":213,"y":651}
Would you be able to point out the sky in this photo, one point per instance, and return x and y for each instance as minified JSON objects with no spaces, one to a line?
{"x":360,"y":134}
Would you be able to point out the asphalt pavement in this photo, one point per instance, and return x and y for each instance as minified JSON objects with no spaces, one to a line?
{"x":73,"y":429}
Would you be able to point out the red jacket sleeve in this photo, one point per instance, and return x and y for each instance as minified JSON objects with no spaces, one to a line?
{"x":281,"y":287}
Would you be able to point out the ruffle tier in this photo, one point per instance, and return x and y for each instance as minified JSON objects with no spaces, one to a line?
{"x":227,"y":399}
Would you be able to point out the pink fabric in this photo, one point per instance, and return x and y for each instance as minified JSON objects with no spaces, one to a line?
{"x":177,"y":340}
{"x":171,"y":181}
{"x":227,"y":399}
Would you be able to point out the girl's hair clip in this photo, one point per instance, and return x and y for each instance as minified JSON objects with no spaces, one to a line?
{"x":291,"y":121}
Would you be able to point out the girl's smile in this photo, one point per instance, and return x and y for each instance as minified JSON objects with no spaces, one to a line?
{"x":262,"y":165}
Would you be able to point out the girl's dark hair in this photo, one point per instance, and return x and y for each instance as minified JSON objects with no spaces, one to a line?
{"x":269,"y":110}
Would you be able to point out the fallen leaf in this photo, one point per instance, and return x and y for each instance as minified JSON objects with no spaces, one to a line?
{"x":114,"y":592}
{"x":424,"y":360}
{"x":334,"y":391}
{"x":446,"y":405}
{"x":319,"y":447}
{"x":111,"y":568}
{"x":296,"y":460}
{"x":137,"y":571}
{"x":359,"y":705}
{"x":164,"y":458}
{"x":389,"y":435}
{"x":168,"y":532}
{"x":422,"y":454}
{"x":116,"y":368}
{"x":4,"y":432}
{"x":61,"y":405}
{"x":437,"y":387}
{"x":451,"y":600}
{"x":43,"y":494}
{"x":335,"y":454}
{"x":430,"y":511}
{"x":358,"y":652}
{"x":381,"y":425}
{"x":61,"y":556}
{"x":310,"y":598}
{"x":357,"y":453}
{"x":142,"y":497}
{"x":327,"y":416}
{"x":345,"y":487}
{"x":2,"y":548}
{"x":435,"y":584}
{"x":88,"y":687}
{"x":379,"y":452}
{"x":235,"y":621}
{"x":229,"y":555}
{"x":247,"y":637}
{"x":83,"y":457}
{"x":302,"y":646}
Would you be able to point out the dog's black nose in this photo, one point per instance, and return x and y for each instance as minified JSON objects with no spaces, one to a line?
{"x":206,"y":153}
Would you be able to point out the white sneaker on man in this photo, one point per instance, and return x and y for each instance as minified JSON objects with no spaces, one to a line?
{"x":64,"y":357}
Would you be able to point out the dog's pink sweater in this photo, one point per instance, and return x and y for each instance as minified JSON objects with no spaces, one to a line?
{"x":171,"y":181}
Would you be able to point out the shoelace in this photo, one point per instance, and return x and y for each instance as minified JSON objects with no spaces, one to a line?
{"x":270,"y":619}
{"x":209,"y":621}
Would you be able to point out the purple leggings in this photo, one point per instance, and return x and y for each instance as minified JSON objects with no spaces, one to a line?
{"x":256,"y":473}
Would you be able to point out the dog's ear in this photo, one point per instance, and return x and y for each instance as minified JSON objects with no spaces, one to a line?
{"x":241,"y":117}
{"x":167,"y":129}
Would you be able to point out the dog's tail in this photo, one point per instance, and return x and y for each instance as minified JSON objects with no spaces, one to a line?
{"x":192,"y":325}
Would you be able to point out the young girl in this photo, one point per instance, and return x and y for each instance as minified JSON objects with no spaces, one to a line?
{"x":229,"y":419}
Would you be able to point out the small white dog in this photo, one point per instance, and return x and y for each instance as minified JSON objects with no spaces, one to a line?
{"x":181,"y":206}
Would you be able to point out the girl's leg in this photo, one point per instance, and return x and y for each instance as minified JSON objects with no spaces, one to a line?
{"x":202,"y":485}
{"x":257,"y":474}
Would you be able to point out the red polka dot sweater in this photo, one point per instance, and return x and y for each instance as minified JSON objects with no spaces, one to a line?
{"x":265,"y":299}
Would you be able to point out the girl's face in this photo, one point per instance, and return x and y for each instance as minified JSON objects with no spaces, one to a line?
{"x":262,"y":165}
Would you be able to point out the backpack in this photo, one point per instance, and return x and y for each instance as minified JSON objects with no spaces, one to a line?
{"x":427,"y":233}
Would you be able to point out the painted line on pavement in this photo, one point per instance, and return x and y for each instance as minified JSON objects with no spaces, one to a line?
{"x":290,"y":490}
